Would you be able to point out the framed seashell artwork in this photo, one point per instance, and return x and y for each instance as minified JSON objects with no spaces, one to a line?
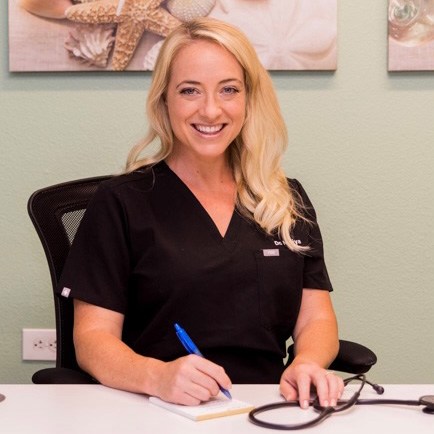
{"x":411,"y":35}
{"x":118,"y":35}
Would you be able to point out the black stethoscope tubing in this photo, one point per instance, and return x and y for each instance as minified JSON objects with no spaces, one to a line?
{"x":252,"y":417}
{"x":325,"y":412}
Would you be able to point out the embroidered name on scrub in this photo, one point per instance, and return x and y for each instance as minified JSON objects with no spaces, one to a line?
{"x":282,"y":243}
{"x":271,"y":252}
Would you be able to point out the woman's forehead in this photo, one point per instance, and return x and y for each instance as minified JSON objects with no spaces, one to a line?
{"x":202,"y":60}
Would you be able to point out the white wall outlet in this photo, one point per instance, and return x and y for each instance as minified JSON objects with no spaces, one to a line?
{"x":39,"y":344}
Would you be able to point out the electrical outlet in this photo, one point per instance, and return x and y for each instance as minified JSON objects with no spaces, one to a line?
{"x":39,"y":344}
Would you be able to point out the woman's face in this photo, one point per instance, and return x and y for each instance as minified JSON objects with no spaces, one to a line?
{"x":206,"y":100}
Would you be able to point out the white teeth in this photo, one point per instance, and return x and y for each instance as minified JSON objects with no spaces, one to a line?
{"x":210,"y":129}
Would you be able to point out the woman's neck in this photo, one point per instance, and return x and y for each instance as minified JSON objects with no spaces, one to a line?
{"x":206,"y":175}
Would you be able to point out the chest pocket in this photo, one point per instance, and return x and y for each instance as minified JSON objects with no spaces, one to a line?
{"x":279,"y":287}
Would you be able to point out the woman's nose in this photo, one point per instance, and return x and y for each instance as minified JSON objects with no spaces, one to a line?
{"x":210,"y":108}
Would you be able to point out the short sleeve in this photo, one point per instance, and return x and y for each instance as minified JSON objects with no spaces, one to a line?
{"x":315,"y":275}
{"x":98,"y":265}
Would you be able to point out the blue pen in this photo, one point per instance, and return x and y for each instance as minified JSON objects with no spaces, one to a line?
{"x":192,"y":349}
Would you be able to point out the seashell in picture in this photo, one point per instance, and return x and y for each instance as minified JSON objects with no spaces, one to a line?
{"x":151,"y":56}
{"x":186,"y":10}
{"x":91,"y":44}
{"x":46,"y":8}
{"x":411,"y":22}
{"x":294,"y":35}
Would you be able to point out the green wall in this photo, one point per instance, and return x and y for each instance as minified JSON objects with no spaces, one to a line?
{"x":360,"y":140}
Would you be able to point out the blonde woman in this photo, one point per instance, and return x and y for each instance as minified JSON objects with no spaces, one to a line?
{"x":207,"y":233}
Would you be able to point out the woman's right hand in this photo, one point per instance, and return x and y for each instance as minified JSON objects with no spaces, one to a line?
{"x":188,"y":380}
{"x":101,"y":352}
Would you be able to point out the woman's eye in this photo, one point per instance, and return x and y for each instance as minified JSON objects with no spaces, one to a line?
{"x":188,"y":91}
{"x":230,"y":90}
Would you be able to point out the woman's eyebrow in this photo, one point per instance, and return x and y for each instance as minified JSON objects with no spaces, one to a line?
{"x":228,"y":80}
{"x":197,"y":83}
{"x":188,"y":82}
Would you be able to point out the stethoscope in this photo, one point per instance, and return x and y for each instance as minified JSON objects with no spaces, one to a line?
{"x":324,"y":412}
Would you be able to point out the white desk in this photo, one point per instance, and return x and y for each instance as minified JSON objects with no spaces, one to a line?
{"x":83,"y":409}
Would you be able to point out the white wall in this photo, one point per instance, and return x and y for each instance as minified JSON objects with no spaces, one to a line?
{"x":361,"y":142}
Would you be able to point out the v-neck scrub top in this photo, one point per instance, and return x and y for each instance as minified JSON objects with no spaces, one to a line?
{"x":148,"y":249}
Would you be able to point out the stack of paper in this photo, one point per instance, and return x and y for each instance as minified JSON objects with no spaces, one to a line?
{"x":216,"y":407}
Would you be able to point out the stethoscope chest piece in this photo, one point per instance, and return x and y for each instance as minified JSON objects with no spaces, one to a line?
{"x":428,"y":401}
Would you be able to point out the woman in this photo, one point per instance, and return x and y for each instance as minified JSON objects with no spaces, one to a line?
{"x":207,"y":233}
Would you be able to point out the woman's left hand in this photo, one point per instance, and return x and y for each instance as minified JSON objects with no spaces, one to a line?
{"x":297,"y":379}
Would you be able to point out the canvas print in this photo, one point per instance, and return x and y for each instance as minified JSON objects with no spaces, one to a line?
{"x":411,"y":35}
{"x":118,"y":35}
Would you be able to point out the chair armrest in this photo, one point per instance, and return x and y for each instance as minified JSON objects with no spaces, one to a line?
{"x":61,"y":376}
{"x":352,"y":358}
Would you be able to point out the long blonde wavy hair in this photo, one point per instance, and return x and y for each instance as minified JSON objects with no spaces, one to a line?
{"x":255,"y":156}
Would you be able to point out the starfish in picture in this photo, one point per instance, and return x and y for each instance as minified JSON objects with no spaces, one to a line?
{"x":132,"y":17}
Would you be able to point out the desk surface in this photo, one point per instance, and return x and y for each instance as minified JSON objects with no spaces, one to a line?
{"x":82,"y":409}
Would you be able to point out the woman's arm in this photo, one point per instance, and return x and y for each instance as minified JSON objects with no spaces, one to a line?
{"x":101,"y":352}
{"x":316,"y":345}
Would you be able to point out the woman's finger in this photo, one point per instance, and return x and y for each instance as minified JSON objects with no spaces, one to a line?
{"x":288,"y":391}
{"x":303,"y":385}
{"x":212,"y":370}
{"x":322,"y":388}
{"x":206,"y":382}
{"x":333,"y":386}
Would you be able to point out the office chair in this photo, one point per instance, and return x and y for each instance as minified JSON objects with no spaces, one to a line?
{"x":56,"y":213}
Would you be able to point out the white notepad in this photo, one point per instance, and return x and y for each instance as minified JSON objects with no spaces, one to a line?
{"x":216,"y":407}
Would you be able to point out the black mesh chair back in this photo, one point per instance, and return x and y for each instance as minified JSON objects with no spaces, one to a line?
{"x":56,"y":213}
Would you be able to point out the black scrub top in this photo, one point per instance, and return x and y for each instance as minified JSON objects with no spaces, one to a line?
{"x":148,"y":249}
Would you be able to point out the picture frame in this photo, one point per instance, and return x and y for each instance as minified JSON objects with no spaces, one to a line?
{"x":411,"y":35}
{"x":92,"y":35}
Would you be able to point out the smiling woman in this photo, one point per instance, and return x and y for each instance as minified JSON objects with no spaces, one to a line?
{"x":208,"y":233}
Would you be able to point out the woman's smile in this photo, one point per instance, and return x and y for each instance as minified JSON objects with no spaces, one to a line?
{"x":209,"y":130}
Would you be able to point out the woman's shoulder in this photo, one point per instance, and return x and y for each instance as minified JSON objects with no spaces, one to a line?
{"x":295,"y":185}
{"x":302,"y":199}
{"x":142,"y":179}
